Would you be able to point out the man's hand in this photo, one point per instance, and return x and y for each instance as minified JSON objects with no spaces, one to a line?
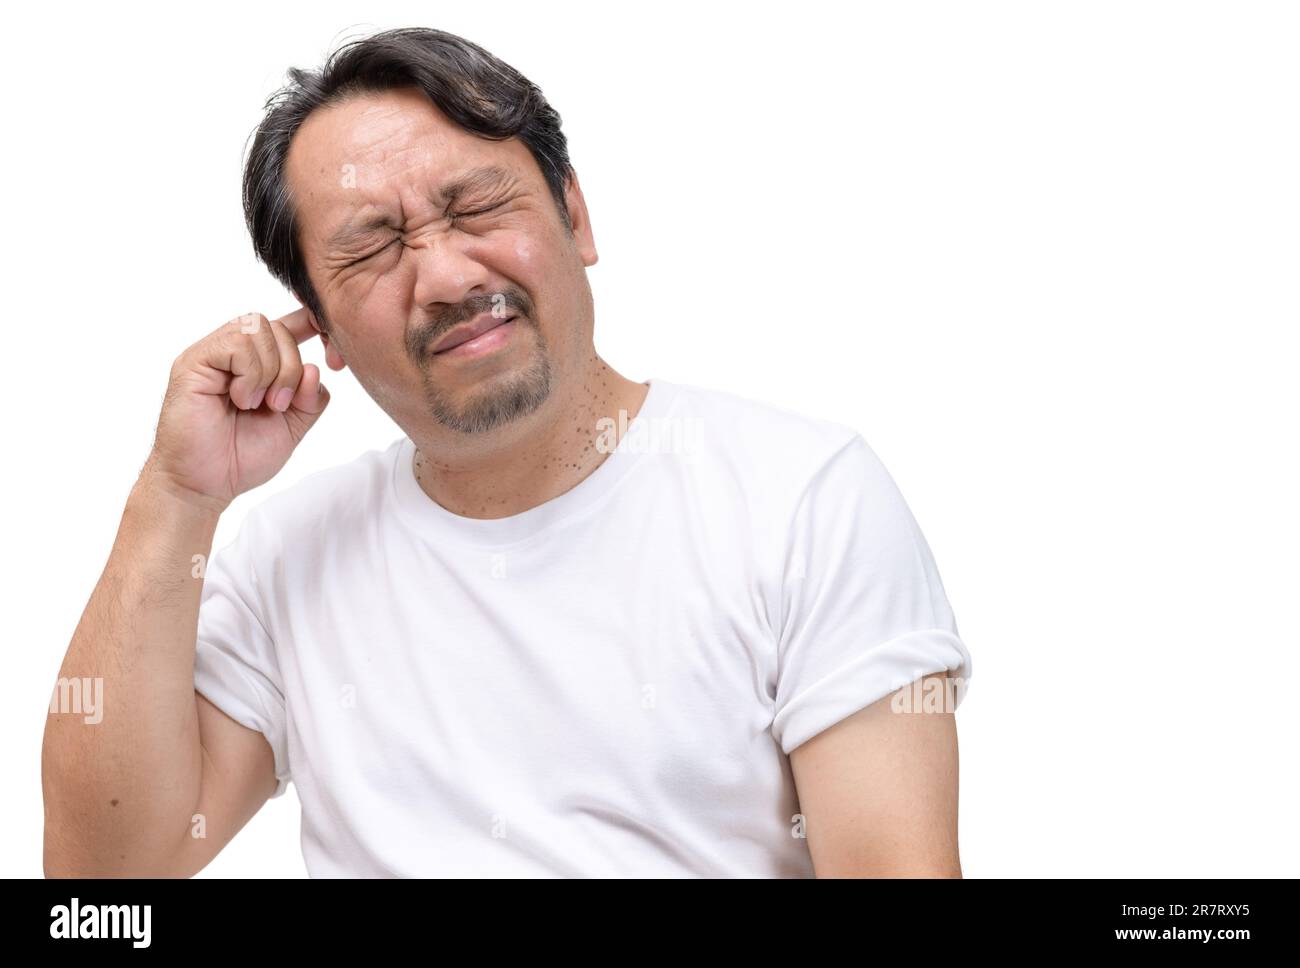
{"x":878,"y":791}
{"x":237,"y":404}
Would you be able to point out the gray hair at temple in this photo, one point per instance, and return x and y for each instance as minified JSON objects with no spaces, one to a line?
{"x":475,"y":89}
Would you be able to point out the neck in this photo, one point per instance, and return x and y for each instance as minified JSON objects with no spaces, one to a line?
{"x":537,"y":458}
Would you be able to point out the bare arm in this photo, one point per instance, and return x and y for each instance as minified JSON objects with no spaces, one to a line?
{"x":878,"y":792}
{"x":129,"y":785}
{"x":120,"y":792}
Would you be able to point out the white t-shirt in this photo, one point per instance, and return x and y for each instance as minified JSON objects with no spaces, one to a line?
{"x":608,"y":684}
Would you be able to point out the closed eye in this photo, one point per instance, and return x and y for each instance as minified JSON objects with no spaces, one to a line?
{"x":373,"y":254}
{"x":478,"y":211}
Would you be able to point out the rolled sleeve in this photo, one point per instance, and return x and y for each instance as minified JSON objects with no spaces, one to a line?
{"x":864,"y":609}
{"x":235,"y":664}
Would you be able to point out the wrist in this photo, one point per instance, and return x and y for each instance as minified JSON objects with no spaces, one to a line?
{"x":162,"y":493}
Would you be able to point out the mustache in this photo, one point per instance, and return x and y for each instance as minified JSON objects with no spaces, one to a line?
{"x":419,"y":338}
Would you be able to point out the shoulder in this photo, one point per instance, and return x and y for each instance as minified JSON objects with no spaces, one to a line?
{"x":765,"y":447}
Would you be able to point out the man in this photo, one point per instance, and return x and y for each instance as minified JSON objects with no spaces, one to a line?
{"x":568,"y":625}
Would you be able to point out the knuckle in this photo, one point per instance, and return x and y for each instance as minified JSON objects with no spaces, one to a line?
{"x":247,"y":324}
{"x":248,"y":361}
{"x":290,"y":359}
{"x":290,"y":368}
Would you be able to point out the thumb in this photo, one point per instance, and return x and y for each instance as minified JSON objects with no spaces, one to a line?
{"x":309,"y":400}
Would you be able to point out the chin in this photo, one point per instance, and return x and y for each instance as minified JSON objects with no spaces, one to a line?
{"x":493,"y":401}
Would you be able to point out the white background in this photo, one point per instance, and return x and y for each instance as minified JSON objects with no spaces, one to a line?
{"x":1042,"y":255}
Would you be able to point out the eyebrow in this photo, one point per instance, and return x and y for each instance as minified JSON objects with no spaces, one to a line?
{"x":476,"y":179}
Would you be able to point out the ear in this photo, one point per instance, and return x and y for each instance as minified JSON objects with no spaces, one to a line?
{"x":333,"y":358}
{"x":576,"y":206}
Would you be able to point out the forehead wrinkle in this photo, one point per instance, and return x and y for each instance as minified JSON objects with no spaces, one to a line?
{"x":482,"y":178}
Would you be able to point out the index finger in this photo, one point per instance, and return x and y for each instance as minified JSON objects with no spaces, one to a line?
{"x":299,"y":324}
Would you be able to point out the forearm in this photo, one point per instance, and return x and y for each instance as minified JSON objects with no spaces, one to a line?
{"x":121,"y":783}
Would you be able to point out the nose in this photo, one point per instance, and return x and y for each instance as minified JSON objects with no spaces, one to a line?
{"x":447,"y":269}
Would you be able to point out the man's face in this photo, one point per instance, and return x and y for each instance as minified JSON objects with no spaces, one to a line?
{"x":413,"y":229}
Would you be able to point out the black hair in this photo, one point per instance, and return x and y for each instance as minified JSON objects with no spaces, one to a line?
{"x":476,"y":90}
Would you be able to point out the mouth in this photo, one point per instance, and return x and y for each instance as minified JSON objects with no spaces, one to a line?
{"x":480,"y":335}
